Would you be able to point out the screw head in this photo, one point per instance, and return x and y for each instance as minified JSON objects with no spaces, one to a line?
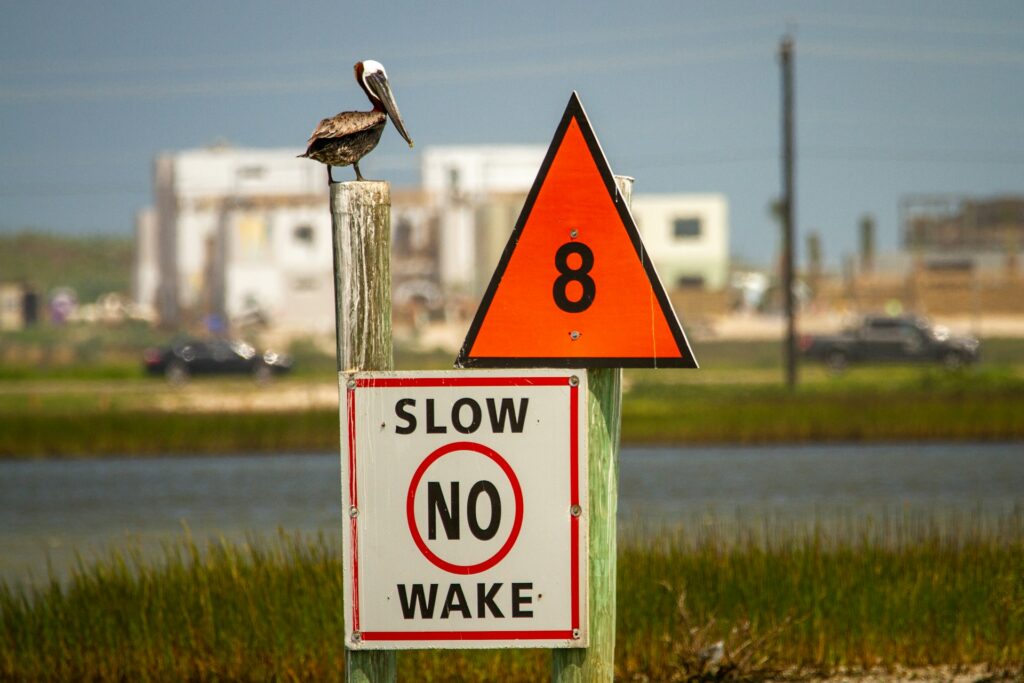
{"x":575,"y":511}
{"x":353,"y":512}
{"x":575,"y":634}
{"x":573,"y":233}
{"x":351,"y":383}
{"x":574,"y":335}
{"x":357,"y":637}
{"x":574,"y":381}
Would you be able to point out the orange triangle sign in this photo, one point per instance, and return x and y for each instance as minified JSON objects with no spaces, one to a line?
{"x":575,"y":287}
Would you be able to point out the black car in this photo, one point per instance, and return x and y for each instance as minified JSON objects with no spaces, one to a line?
{"x":896,"y":339}
{"x":187,"y":357}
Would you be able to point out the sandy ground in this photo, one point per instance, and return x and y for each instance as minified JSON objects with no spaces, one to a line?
{"x":323,"y":394}
{"x":733,"y":327}
{"x":740,"y":327}
{"x":197,"y":397}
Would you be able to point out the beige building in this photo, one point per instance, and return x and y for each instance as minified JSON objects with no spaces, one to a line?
{"x":687,"y":237}
{"x":478,"y":192}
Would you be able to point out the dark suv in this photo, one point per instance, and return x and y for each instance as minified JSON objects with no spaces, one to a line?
{"x":900,"y":339}
{"x":187,"y":357}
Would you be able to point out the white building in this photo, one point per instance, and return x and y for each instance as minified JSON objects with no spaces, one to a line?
{"x":245,"y":234}
{"x":146,"y":278}
{"x":239,"y":234}
{"x":480,"y":190}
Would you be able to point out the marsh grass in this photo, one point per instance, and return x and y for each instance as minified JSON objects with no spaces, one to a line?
{"x":143,"y":433}
{"x":708,"y":605}
{"x":914,"y":590}
{"x":873,"y":404}
{"x":869,"y":406}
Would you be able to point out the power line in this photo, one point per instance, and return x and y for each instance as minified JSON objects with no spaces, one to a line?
{"x":685,"y":157}
{"x":51,"y":190}
{"x":916,"y":24}
{"x":679,"y":159}
{"x":433,"y":49}
{"x":885,"y":53}
{"x":460,"y":75}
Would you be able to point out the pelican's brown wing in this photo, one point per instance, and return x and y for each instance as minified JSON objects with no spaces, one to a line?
{"x":347,"y":123}
{"x":346,"y":138}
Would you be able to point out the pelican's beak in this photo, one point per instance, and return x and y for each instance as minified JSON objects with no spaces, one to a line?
{"x":379,"y":85}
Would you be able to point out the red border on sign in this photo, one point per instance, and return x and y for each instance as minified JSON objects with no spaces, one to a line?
{"x":517,"y":520}
{"x":354,"y":499}
{"x":461,"y":382}
{"x":574,"y":496}
{"x":465,"y":635}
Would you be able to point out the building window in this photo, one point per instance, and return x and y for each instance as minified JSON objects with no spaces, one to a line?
{"x":403,"y":235}
{"x":686,"y":228}
{"x":250,"y":172}
{"x":253,"y":236}
{"x":690,"y":282}
{"x":303,"y":234}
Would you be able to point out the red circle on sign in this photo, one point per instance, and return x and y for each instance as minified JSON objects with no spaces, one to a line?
{"x":517,"y":522}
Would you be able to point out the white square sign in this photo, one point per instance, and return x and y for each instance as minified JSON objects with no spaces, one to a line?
{"x":464,"y":494}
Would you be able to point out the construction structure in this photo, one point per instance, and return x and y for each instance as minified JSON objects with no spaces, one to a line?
{"x":238,"y":237}
{"x":958,"y":256}
{"x":959,"y":227}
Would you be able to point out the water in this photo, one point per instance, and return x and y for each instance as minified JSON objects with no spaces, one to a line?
{"x":671,"y":483}
{"x":51,"y":509}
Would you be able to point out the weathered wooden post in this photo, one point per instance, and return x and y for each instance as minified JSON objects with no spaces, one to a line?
{"x":604,"y":405}
{"x":361,"y":235}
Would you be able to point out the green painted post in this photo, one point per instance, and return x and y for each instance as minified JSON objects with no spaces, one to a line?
{"x":604,"y":405}
{"x":361,"y":235}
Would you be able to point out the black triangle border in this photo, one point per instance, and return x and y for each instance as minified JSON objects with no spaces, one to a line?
{"x":574,"y":110}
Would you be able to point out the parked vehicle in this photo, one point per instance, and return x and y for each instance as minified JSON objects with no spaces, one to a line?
{"x":186,"y":357}
{"x":894,"y":339}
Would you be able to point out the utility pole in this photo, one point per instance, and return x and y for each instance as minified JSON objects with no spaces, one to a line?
{"x":788,"y":229}
{"x":867,"y":244}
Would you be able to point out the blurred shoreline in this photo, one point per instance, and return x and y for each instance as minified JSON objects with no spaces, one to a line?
{"x":869,"y":405}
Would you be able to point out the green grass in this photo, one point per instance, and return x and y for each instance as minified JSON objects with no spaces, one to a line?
{"x":141,"y":433}
{"x":91,"y":265}
{"x":80,"y":418}
{"x":866,"y":405}
{"x":76,"y":351}
{"x":111,"y":408}
{"x":913,"y":592}
{"x":907,"y":591}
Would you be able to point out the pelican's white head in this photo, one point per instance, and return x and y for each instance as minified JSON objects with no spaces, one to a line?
{"x":374,"y":81}
{"x":371,"y":66}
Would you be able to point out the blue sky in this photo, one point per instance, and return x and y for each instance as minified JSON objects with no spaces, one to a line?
{"x":892,"y":98}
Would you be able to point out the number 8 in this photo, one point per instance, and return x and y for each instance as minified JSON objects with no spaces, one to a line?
{"x":579,"y":275}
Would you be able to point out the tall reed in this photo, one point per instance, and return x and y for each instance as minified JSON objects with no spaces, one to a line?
{"x":913,"y":591}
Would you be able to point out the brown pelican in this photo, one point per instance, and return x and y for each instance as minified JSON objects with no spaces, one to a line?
{"x":349,"y":136}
